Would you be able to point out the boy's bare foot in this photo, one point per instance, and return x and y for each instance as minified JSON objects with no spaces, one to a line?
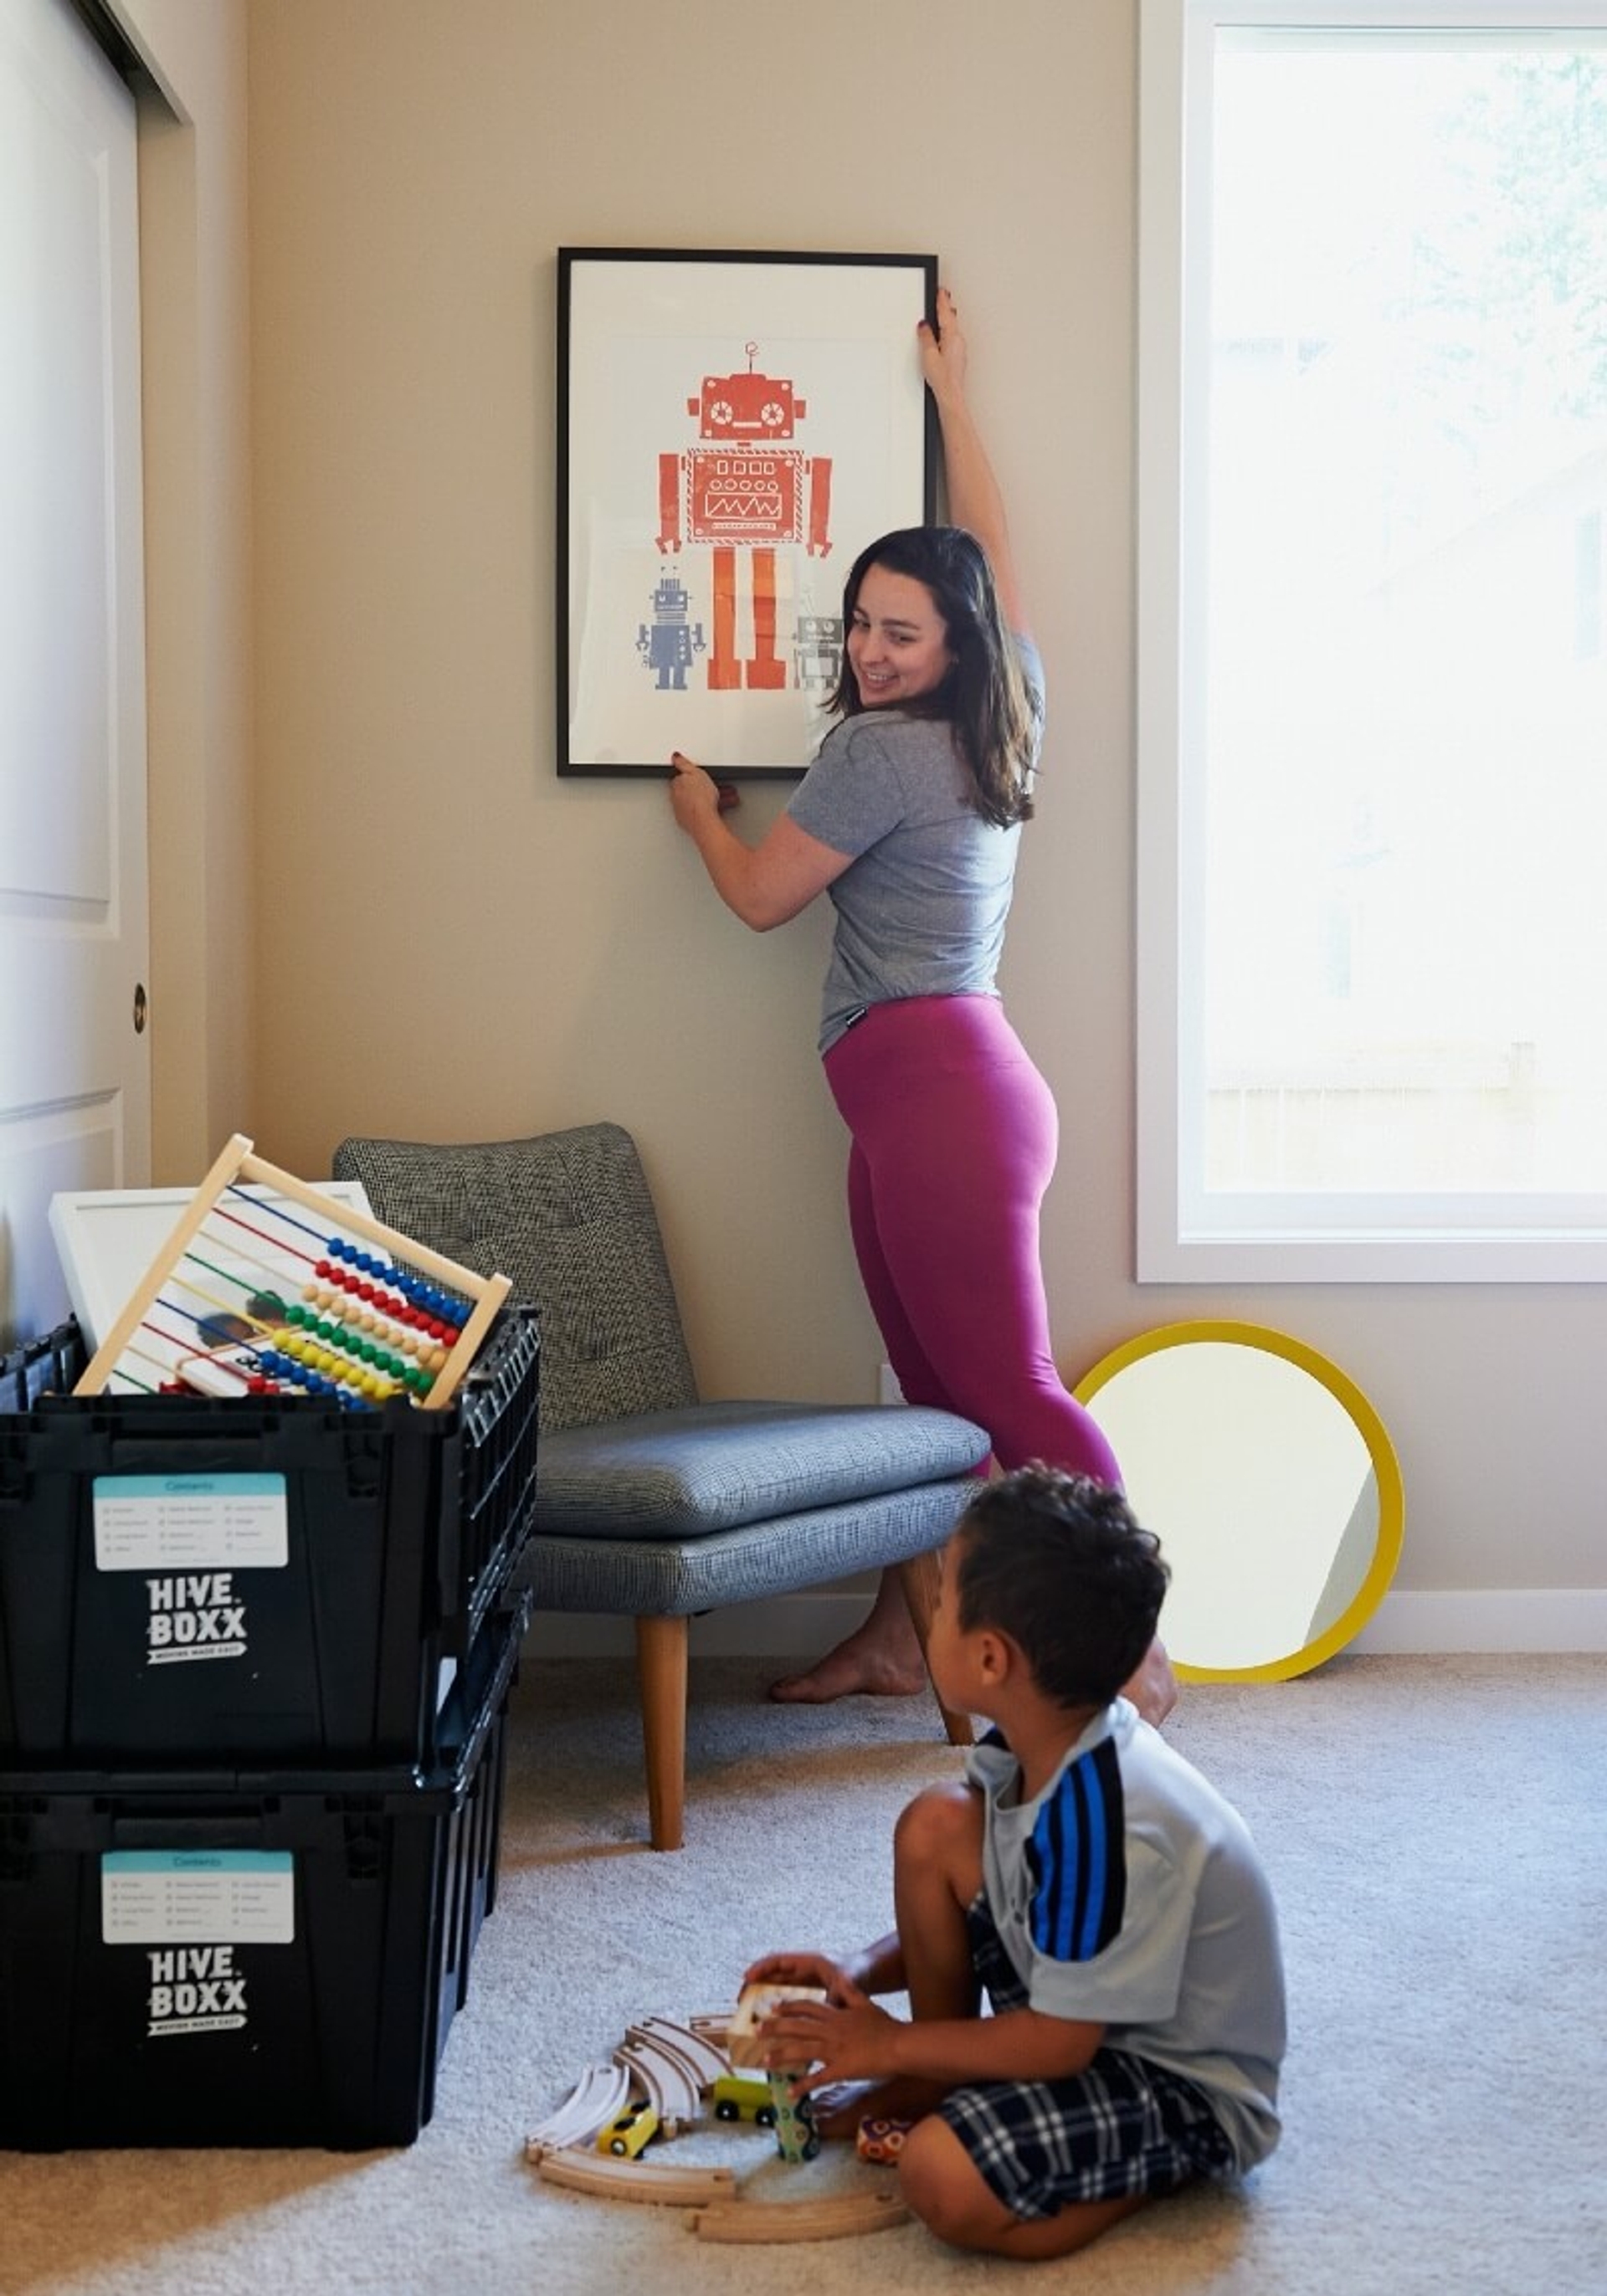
{"x":839,"y":2109}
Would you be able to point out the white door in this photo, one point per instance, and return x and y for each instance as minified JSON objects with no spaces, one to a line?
{"x":75,"y":1071}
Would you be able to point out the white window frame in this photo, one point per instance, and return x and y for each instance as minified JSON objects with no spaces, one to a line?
{"x":1286,"y":1237}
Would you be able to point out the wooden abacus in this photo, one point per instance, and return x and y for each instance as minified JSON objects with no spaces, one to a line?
{"x":246,"y":1297}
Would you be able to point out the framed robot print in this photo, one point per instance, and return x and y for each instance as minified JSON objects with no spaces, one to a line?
{"x":733,"y":429}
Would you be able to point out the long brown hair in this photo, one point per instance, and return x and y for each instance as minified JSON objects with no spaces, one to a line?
{"x":984,"y":696}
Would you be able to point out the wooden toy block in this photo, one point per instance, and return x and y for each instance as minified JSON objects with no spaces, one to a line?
{"x":881,"y":2141}
{"x":754,"y":2004}
{"x":797,"y":2138}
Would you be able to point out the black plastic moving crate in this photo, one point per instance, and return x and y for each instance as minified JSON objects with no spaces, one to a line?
{"x":257,"y":1578}
{"x":246,"y":1959}
{"x":47,"y":1366}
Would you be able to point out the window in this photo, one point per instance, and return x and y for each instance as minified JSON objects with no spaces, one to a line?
{"x":1372,"y":687}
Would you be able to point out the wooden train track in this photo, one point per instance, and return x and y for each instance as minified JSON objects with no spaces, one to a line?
{"x":837,"y":2217}
{"x":674,"y":2066}
{"x":600,"y":2096}
{"x":656,"y":2182}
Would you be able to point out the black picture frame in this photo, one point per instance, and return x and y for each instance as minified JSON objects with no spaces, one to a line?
{"x":734,"y":427}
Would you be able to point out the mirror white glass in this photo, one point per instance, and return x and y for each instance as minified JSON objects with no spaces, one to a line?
{"x":1271,"y":1483}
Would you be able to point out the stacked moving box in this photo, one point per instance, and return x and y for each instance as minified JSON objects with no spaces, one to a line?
{"x":255,"y":1659}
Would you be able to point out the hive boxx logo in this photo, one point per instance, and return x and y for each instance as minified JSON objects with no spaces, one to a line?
{"x":194,"y":1615}
{"x":194,"y":1989}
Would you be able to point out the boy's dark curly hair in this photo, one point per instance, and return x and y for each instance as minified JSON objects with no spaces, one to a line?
{"x":1061,"y":1564}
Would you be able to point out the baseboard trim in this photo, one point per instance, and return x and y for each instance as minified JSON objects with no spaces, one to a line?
{"x":1515,"y":1619}
{"x":801,"y":1626}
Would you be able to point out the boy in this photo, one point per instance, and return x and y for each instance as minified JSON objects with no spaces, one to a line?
{"x":1106,"y":1896}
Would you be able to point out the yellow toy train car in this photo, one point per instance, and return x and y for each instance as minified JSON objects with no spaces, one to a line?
{"x":629,"y":2132}
{"x":744,"y":2097}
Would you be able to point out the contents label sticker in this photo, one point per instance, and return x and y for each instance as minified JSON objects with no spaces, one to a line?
{"x":179,"y":1897}
{"x":190,"y":1522}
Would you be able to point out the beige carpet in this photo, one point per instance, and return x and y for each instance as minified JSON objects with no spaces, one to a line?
{"x":1437,"y":1831}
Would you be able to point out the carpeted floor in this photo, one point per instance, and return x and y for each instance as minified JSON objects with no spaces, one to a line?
{"x":1437,"y":1833}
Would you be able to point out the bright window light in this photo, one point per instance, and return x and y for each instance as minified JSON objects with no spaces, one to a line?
{"x":1372,"y":626}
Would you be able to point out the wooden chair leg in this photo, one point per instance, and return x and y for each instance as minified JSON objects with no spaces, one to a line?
{"x":920,"y":1578}
{"x":661,"y":1648}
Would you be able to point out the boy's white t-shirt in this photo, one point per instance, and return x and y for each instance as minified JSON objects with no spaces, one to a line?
{"x":1130,"y":1894}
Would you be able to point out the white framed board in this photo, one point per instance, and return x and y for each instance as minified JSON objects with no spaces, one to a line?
{"x":108,"y":1238}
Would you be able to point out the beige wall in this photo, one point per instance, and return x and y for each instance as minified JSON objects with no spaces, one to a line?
{"x":452,"y":944}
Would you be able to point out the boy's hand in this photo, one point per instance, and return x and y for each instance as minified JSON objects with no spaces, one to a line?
{"x":847,"y":2038}
{"x":796,"y":1969}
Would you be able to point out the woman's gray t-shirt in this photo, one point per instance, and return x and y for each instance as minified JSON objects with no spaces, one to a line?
{"x":920,"y":908}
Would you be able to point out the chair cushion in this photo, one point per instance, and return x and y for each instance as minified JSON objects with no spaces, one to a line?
{"x":716,"y":1466}
{"x":675,"y":1577}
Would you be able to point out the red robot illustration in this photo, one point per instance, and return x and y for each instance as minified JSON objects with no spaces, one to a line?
{"x":745,"y":490}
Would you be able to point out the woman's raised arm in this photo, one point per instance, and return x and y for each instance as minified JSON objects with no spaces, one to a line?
{"x":974,"y":500}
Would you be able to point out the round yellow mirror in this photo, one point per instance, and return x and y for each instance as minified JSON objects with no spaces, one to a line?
{"x":1271,"y":1483}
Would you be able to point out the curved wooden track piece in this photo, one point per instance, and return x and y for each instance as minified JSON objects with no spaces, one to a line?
{"x":600,"y":2096}
{"x":705,"y":2060}
{"x":710,"y":2025}
{"x":836,"y":2218}
{"x":637,"y":2180}
{"x":670,"y":2082}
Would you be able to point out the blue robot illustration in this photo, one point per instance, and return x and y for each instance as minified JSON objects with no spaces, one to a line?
{"x":666,"y":648}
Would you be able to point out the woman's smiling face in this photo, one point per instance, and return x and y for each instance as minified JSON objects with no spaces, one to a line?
{"x":898,"y":642}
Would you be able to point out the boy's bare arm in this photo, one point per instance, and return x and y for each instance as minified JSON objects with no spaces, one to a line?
{"x":848,"y":2040}
{"x":878,"y":1968}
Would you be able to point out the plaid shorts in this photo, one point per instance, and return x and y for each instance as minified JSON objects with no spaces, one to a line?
{"x":1120,"y":2126}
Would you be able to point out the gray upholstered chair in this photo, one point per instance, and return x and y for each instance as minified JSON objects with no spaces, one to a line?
{"x":650,"y":1504}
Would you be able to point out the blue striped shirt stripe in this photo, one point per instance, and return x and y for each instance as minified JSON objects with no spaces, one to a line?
{"x":1078,"y":1869}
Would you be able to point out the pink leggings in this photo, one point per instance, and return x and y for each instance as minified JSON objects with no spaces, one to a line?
{"x":955,"y":1139}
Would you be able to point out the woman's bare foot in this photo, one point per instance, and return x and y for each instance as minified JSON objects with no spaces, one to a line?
{"x":1153,"y":1688}
{"x":861,"y":1667}
{"x":881,"y":1659}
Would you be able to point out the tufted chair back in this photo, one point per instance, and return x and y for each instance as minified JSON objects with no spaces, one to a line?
{"x":567,"y":1216}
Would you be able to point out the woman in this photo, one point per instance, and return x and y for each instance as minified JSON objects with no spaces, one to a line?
{"x":910,"y":816}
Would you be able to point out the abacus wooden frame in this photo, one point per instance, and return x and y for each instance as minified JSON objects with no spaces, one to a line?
{"x":238,"y":1163}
